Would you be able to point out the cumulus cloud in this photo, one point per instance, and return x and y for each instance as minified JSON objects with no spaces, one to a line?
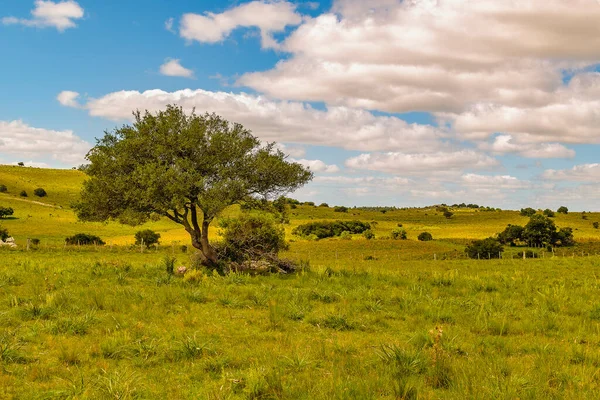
{"x":60,"y":15}
{"x":291,"y":150}
{"x":506,"y":144}
{"x":24,"y":141}
{"x":579,"y":173}
{"x":318,"y":166}
{"x":494,"y":182}
{"x":268,"y":17}
{"x":281,"y":121}
{"x":442,"y":163}
{"x":173,"y":67}
{"x":68,"y":98}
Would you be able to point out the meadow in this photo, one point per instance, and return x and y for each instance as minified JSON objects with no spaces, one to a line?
{"x":363,"y":319}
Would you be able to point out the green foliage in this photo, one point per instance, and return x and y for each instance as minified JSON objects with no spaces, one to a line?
{"x":549,"y":213}
{"x":425,"y":237}
{"x":368,"y":234}
{"x":6,"y":211}
{"x":562,"y":210}
{"x":484,"y":249}
{"x":448,"y":214}
{"x":399,"y":234}
{"x":309,"y":203}
{"x":40,"y":192}
{"x":528,"y":212}
{"x":528,"y":254}
{"x":3,"y":233}
{"x":511,"y":235}
{"x":84,"y":239}
{"x":541,"y":231}
{"x":340,"y":209}
{"x":23,"y":193}
{"x":3,"y":189}
{"x":250,"y":237}
{"x":324,"y":205}
{"x":185,"y":167}
{"x":147,"y":237}
{"x":327,"y":229}
{"x":596,"y":225}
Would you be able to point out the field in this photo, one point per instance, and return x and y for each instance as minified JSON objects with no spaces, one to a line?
{"x":372,"y":319}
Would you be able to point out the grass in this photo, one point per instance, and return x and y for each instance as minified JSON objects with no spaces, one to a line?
{"x":369,"y":319}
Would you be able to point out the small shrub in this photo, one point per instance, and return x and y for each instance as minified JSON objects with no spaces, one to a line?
{"x":4,"y":233}
{"x":399,"y":225}
{"x":169,"y":264}
{"x":562,"y":210}
{"x":399,"y":234}
{"x":596,"y":225}
{"x":84,"y":239}
{"x":193,"y":276}
{"x":368,"y":234}
{"x":549,"y":213}
{"x":309,"y":203}
{"x":40,"y":192}
{"x":448,"y":214}
{"x":341,"y":209}
{"x":148,"y":237}
{"x":325,"y":229}
{"x":484,"y":249}
{"x":324,"y":205}
{"x":425,"y":237}
{"x":528,"y":254}
{"x":35,"y":241}
{"x":6,"y":211}
{"x":3,"y":189}
{"x":346,"y":235}
{"x":183,"y":248}
{"x":23,"y":193}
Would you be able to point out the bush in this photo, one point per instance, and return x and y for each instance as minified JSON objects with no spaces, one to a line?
{"x":425,"y":237}
{"x":84,"y":239}
{"x":23,"y":193}
{"x":326,"y":229}
{"x":448,"y":214}
{"x":563,"y":210}
{"x":368,"y":234}
{"x":148,"y":237}
{"x":596,"y":225}
{"x":4,"y":233}
{"x":39,"y":192}
{"x":549,"y":213}
{"x":346,"y":235}
{"x":35,"y":241}
{"x":527,"y":212}
{"x":3,"y":189}
{"x":528,"y":254}
{"x":6,"y":211}
{"x":309,"y":203}
{"x":511,"y":234}
{"x":341,"y":209}
{"x":399,"y":234}
{"x":484,"y":249}
{"x":250,"y":237}
{"x":324,"y":205}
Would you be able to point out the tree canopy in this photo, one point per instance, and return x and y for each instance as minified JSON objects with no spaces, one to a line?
{"x":185,"y":167}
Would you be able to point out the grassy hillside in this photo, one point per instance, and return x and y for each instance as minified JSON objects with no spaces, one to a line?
{"x":51,"y":219}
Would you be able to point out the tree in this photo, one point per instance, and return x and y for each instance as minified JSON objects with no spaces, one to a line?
{"x":6,"y":211}
{"x":21,"y":164}
{"x":539,"y":230}
{"x":185,"y":167}
{"x":147,"y":237}
{"x":563,"y":210}
{"x":511,"y":234}
{"x":549,"y":213}
{"x":84,"y":239}
{"x":425,"y":237}
{"x":484,"y":249}
{"x":341,"y":209}
{"x":399,"y":234}
{"x":40,"y":192}
{"x":527,"y":212}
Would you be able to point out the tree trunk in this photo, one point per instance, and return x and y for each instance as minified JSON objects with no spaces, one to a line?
{"x":207,"y":249}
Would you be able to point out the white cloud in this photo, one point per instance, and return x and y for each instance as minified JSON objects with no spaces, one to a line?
{"x":24,"y":141}
{"x":440,"y":163}
{"x":268,"y":17}
{"x":169,"y":25}
{"x":318,"y":166}
{"x":493,"y":182}
{"x":442,"y":55}
{"x":173,"y":67}
{"x":68,"y":98}
{"x":280,"y":121}
{"x":60,"y":15}
{"x":579,"y":173}
{"x":291,"y":150}
{"x":505,"y":144}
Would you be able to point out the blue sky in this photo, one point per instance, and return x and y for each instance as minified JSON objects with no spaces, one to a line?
{"x":389,"y":103}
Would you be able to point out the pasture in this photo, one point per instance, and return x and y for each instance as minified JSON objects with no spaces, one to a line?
{"x":364,"y":319}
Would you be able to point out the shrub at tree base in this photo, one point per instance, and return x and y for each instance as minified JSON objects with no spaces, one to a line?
{"x":326,"y":229}
{"x":84,"y":239}
{"x":4,"y":233}
{"x":368,"y":234}
{"x":484,"y":249}
{"x":39,"y":192}
{"x":148,"y":237}
{"x":425,"y":237}
{"x":251,"y":244}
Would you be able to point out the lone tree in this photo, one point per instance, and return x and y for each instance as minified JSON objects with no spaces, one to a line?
{"x":185,"y":167}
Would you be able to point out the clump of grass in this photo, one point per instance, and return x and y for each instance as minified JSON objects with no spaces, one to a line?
{"x":191,"y":347}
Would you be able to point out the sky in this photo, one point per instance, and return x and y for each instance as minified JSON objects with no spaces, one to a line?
{"x":389,"y":102}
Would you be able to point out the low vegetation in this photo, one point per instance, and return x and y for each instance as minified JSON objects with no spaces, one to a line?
{"x":327,"y":229}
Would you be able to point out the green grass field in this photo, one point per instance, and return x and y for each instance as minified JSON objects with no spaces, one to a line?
{"x":369,"y":319}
